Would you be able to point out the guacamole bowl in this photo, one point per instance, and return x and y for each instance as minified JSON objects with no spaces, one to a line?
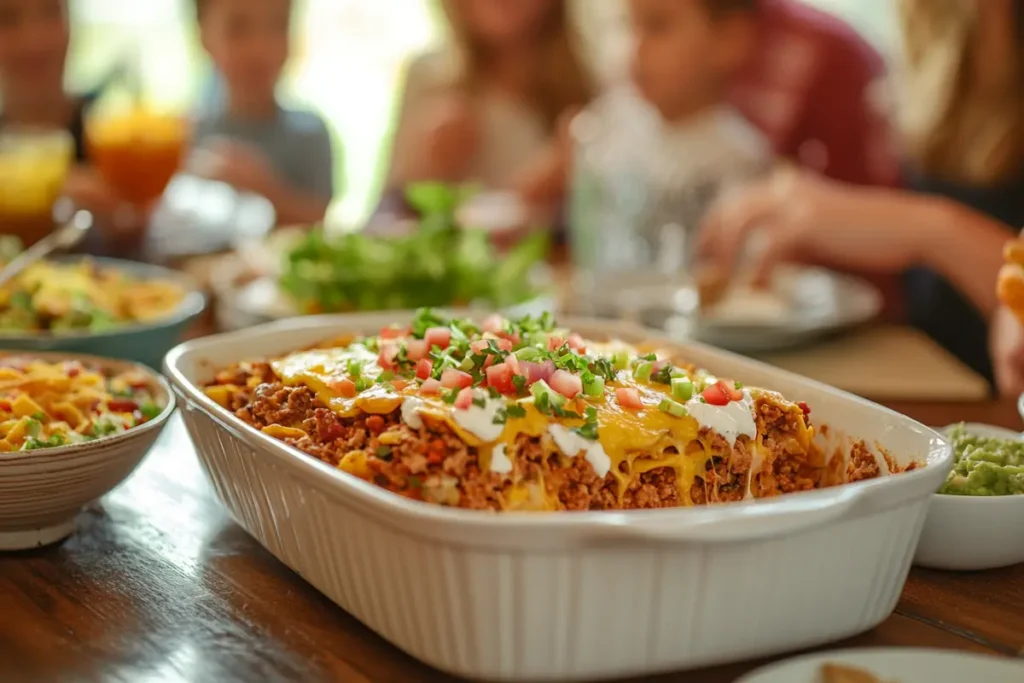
{"x":973,"y":532}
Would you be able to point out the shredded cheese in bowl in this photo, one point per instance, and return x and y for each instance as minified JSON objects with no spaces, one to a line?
{"x":47,"y":404}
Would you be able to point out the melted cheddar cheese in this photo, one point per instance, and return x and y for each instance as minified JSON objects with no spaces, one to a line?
{"x":634,"y":440}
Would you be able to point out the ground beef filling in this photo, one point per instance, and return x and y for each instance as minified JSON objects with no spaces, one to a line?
{"x":432,"y":463}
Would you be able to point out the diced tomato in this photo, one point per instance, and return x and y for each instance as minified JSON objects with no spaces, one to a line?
{"x":456,"y":379}
{"x":575,"y":343}
{"x":399,"y":384}
{"x":423,"y":368}
{"x":430,"y":387}
{"x":513,"y":363}
{"x":479,"y":346}
{"x":346,"y":388}
{"x":72,"y":368}
{"x":804,"y":407}
{"x":500,"y":378}
{"x":5,"y":404}
{"x":492,"y":323}
{"x":386,"y":357}
{"x":393,"y":332}
{"x":628,"y":398}
{"x":510,"y":336}
{"x":438,"y":336}
{"x":415,"y":349}
{"x":731,"y":391}
{"x":716,"y":395}
{"x":465,"y":399}
{"x":555,"y":343}
{"x":566,"y":383}
{"x":505,"y":344}
{"x":122,"y":405}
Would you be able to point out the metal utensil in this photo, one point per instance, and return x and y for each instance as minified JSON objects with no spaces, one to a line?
{"x":73,"y":230}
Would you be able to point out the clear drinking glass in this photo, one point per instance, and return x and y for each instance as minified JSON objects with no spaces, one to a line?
{"x":34,"y":164}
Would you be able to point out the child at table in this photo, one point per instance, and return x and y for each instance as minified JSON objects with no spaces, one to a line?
{"x":686,"y":54}
{"x":252,"y":142}
{"x":486,"y":108}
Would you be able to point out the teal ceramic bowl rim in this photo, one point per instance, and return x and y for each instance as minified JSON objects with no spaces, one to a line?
{"x":190,"y":307}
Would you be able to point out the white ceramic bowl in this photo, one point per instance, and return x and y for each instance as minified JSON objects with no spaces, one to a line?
{"x":573,"y":595}
{"x":42,"y":491}
{"x":973,"y":532}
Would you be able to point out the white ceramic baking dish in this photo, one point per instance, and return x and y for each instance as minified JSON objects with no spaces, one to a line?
{"x":582,"y":595}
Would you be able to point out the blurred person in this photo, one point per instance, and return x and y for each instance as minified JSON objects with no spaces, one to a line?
{"x":252,"y":142}
{"x":686,"y":54}
{"x":488,"y":106}
{"x":815,"y":88}
{"x":963,"y":127}
{"x":34,"y":37}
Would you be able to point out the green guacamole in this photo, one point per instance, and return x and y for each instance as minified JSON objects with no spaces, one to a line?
{"x":984,"y":466}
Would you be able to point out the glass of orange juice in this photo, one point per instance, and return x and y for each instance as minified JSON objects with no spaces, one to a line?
{"x":34,"y":163}
{"x":137,"y":150}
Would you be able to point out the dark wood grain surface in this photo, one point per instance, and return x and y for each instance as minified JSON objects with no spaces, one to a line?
{"x":160,"y":585}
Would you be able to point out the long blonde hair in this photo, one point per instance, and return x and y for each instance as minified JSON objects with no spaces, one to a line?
{"x":959,"y":122}
{"x":559,"y":82}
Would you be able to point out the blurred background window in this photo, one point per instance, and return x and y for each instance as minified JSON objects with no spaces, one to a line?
{"x":348,"y":59}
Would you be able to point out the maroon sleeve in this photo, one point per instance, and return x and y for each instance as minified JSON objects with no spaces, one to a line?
{"x":854,"y":140}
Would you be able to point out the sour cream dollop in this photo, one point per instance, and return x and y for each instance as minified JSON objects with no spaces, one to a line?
{"x":734,"y":419}
{"x":479,"y":421}
{"x":411,"y":412}
{"x":500,"y":462}
{"x":571,"y":443}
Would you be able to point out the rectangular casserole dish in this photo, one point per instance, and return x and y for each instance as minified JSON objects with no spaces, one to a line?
{"x":573,"y":595}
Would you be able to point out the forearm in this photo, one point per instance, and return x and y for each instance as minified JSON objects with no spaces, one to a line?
{"x":966,"y":248}
{"x":294,"y":207}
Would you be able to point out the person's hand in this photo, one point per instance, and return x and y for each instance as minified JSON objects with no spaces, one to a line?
{"x":241,"y":166}
{"x":1006,"y":342}
{"x":448,"y":140}
{"x":544,"y":183}
{"x":802,"y":217}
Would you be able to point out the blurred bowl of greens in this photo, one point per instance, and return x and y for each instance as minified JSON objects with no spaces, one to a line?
{"x":117,"y":309}
{"x":436,"y":261}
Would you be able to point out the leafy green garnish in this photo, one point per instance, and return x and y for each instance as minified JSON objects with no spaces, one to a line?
{"x":441,"y":263}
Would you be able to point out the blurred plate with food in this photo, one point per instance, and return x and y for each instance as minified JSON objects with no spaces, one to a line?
{"x":124,"y":310}
{"x":799,"y":305}
{"x":891,"y":665}
{"x":435,"y":261}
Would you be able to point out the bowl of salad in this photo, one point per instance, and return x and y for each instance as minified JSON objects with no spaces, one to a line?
{"x":438,"y":260}
{"x":120,"y":309}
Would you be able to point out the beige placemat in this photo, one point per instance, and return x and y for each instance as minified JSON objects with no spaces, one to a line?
{"x":886,"y":363}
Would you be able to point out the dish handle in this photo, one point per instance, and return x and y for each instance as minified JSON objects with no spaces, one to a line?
{"x":759,"y":520}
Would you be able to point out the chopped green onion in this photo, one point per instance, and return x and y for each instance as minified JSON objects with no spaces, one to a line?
{"x":544,"y":393}
{"x":449,"y":396}
{"x":528,"y":353}
{"x":620,"y":359}
{"x":480,"y":401}
{"x":385,"y":376}
{"x":595,"y":387}
{"x":682,"y":388}
{"x":643,"y":371}
{"x":677,"y":372}
{"x":672,"y":407}
{"x":467,"y":364}
{"x":739,"y":385}
{"x":515,"y":410}
{"x":39,"y":416}
{"x":362,"y":384}
{"x":384,"y":452}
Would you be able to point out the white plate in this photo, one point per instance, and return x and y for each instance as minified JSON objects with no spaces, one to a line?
{"x":806,"y":304}
{"x":966,"y":533}
{"x":896,"y":665}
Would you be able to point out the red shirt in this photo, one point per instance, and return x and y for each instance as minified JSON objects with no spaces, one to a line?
{"x":811,"y":89}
